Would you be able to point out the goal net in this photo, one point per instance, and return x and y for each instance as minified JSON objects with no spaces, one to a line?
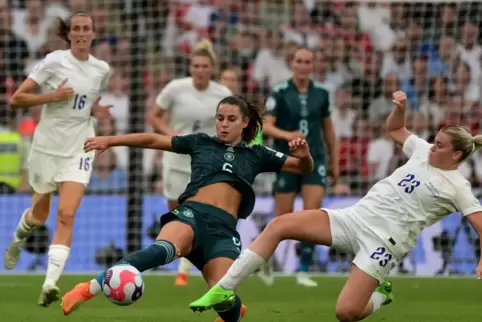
{"x":363,"y":52}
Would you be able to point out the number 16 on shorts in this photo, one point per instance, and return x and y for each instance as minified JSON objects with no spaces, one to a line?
{"x":382,"y":256}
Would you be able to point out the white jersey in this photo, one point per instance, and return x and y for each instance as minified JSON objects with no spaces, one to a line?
{"x":64,"y":126}
{"x":415,"y":196}
{"x":190,"y":111}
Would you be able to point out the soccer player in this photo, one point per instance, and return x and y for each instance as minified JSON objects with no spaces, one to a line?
{"x":70,"y":82}
{"x":203,"y":227}
{"x":383,"y":226}
{"x":300,"y":107}
{"x":186,"y":106}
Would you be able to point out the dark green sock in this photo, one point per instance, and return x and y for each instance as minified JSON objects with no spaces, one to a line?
{"x":233,"y":314}
{"x":306,"y":256}
{"x":159,"y":253}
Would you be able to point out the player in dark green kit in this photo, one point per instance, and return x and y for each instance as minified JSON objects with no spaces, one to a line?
{"x":300,"y":108}
{"x":203,"y":227}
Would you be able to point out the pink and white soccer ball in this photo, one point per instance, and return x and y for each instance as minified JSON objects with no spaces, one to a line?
{"x":123,"y":284}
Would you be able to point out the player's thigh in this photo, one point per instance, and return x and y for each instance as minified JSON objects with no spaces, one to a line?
{"x":182,"y":228}
{"x":355,"y":295}
{"x":42,"y":168}
{"x":308,"y":225}
{"x":285,"y":188}
{"x":174,"y":183}
{"x":312,"y":195}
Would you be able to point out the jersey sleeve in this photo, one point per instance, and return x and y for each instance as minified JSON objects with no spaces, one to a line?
{"x":165,"y":99}
{"x":106,"y":80}
{"x":414,"y":145}
{"x":465,"y":201}
{"x":325,"y":105}
{"x":272,"y":104}
{"x":43,"y":70}
{"x":271,"y":160}
{"x":184,"y":144}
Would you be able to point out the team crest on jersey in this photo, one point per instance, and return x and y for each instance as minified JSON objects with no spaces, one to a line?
{"x":38,"y":65}
{"x":228,"y":156}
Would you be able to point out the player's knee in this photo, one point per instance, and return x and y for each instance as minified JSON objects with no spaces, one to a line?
{"x":348,"y":313}
{"x":65,"y":218}
{"x":277,"y":227}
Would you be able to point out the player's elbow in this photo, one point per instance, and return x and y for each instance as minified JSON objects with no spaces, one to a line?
{"x":15,"y":101}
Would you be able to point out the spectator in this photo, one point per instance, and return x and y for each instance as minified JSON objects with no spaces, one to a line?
{"x":14,"y":49}
{"x":322,"y":73}
{"x":122,"y":57}
{"x":368,"y":85}
{"x":103,"y":50}
{"x":471,"y":52}
{"x":463,"y":85}
{"x":342,"y":114}
{"x":249,"y":17}
{"x":300,"y":30}
{"x":230,"y":78}
{"x":32,"y":25}
{"x":398,"y":61}
{"x":382,"y":106}
{"x":116,"y":96}
{"x":271,"y":65}
{"x":420,"y":127}
{"x":416,"y":86}
{"x":433,"y":106}
{"x":101,"y":15}
{"x":107,"y":177}
{"x":441,"y":63}
{"x":379,"y":154}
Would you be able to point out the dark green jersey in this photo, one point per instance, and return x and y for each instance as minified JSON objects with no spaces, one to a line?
{"x":303,"y":112}
{"x":213,"y":161}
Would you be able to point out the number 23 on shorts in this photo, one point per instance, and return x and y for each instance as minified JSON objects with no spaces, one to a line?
{"x":382,"y":256}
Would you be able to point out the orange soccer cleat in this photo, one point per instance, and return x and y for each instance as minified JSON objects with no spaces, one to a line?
{"x":76,"y":297}
{"x":181,"y":279}
{"x":243,"y":312}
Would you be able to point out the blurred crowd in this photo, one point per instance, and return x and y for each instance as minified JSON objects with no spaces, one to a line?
{"x":363,"y":52}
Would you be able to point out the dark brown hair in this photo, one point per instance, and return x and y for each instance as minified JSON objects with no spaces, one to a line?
{"x":249,"y":110}
{"x":63,"y":26}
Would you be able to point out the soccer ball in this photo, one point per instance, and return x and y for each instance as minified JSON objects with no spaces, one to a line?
{"x":123,"y":284}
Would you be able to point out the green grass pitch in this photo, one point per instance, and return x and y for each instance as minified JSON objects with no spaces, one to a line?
{"x":416,"y":299}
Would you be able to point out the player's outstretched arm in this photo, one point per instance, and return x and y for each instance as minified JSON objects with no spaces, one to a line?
{"x":396,"y":119}
{"x":23,"y":97}
{"x":475,"y":219}
{"x":270,"y":130}
{"x":301,"y":162}
{"x":137,"y":140}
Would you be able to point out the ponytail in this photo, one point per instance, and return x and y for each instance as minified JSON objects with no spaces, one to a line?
{"x":477,"y":142}
{"x":62,"y":29}
{"x":205,"y":49}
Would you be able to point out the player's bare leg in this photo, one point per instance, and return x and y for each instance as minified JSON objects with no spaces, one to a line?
{"x":31,"y":218}
{"x":182,"y":277}
{"x":283,"y":204}
{"x":232,"y":311}
{"x":361,"y":296}
{"x":174,"y":240}
{"x":310,"y":225}
{"x":70,"y":195}
{"x":312,"y":198}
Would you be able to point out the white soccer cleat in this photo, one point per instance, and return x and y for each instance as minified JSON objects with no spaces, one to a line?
{"x":12,"y":254}
{"x":305,"y":280}
{"x":265,"y":274}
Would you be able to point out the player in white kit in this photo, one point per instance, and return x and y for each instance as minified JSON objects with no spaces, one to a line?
{"x":383,"y":226}
{"x":70,"y":82}
{"x":186,"y":106}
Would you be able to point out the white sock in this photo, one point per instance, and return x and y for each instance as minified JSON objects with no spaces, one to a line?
{"x":24,"y":229}
{"x":246,"y":264}
{"x":184,"y":266}
{"x":95,"y":288}
{"x":377,"y":300}
{"x":58,"y":255}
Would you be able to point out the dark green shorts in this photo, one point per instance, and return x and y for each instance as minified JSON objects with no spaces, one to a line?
{"x":214,"y":229}
{"x":288,"y":182}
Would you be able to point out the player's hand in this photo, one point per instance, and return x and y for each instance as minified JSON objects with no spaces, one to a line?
{"x":100,"y":111}
{"x":99,"y":144}
{"x":299,"y":148}
{"x":294,"y":135}
{"x":64,"y":93}
{"x":478,"y":270}
{"x":335,"y":171}
{"x":400,"y":100}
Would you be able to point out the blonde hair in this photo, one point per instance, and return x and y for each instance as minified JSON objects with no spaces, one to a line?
{"x":462,"y":140}
{"x":205,"y":49}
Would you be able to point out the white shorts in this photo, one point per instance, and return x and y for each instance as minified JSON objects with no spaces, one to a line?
{"x":372,"y":254}
{"x":174,"y":182}
{"x":46,"y":171}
